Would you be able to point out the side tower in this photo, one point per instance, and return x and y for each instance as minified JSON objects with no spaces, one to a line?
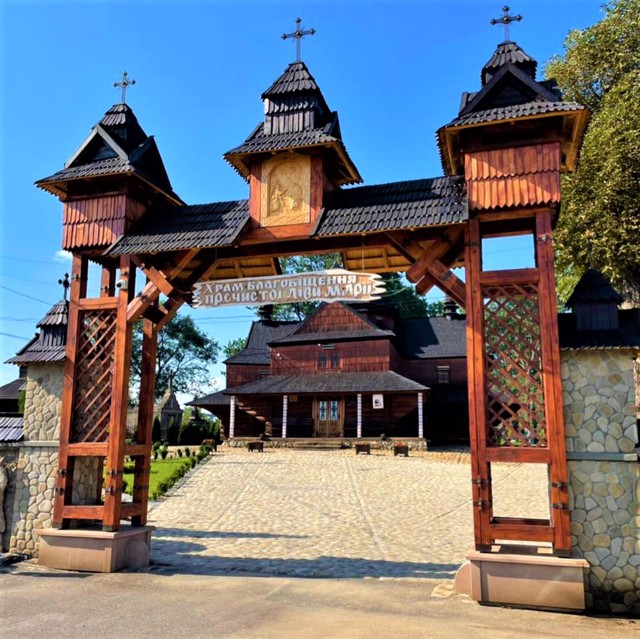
{"x":115,"y":177}
{"x":510,"y":141}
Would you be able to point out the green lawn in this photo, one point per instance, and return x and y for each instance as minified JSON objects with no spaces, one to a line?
{"x":164,"y":473}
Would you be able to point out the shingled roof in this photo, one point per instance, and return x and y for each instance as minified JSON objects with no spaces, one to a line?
{"x":49,"y":345}
{"x":183,"y":227}
{"x":12,"y":389}
{"x":117,"y":145}
{"x":513,"y":111}
{"x":594,"y":287}
{"x":11,"y":428}
{"x":509,"y":91}
{"x":368,"y":209}
{"x":397,"y":205}
{"x":260,"y":335}
{"x":626,"y":335}
{"x":369,"y":382}
{"x":433,"y":337}
{"x":295,"y":79}
{"x":296,"y":117}
{"x":508,"y":52}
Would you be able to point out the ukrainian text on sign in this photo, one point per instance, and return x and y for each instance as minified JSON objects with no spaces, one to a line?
{"x":319,"y":286}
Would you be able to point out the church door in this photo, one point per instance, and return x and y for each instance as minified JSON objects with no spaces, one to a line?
{"x":329,"y":417}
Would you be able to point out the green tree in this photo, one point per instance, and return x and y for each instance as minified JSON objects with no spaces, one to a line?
{"x":600,"y":221}
{"x":403,"y":296}
{"x":185,"y":354}
{"x":234,"y":346}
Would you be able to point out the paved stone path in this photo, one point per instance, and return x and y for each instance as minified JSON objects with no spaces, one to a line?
{"x":331,"y":514}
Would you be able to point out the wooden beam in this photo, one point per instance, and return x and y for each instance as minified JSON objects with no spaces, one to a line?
{"x":521,"y":454}
{"x":448,"y":281}
{"x":156,"y":277}
{"x":552,"y":384}
{"x":88,"y":449}
{"x":119,"y":400}
{"x":141,"y":451}
{"x":64,"y":479}
{"x":480,"y":467}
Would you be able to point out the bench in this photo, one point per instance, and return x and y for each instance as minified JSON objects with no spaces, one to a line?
{"x":255,"y":446}
{"x":363,"y":448}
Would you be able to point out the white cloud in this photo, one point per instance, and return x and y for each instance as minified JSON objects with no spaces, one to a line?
{"x":62,"y":256}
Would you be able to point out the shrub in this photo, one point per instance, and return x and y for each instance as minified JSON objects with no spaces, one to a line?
{"x":179,"y":451}
{"x":155,"y":454}
{"x":163,"y":452}
{"x":187,"y":452}
{"x":193,"y":461}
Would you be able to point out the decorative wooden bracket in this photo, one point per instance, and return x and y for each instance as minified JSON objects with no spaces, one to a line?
{"x":428,"y":270}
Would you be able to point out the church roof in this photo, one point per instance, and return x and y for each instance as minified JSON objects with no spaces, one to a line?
{"x":117,"y":145}
{"x":594,"y":287}
{"x":12,"y":389}
{"x":337,"y":382}
{"x":433,"y":337}
{"x":260,"y":335}
{"x":57,"y":315}
{"x":49,"y":345}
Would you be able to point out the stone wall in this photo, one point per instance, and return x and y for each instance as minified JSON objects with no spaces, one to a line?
{"x":8,"y":460}
{"x":35,"y":462}
{"x":600,"y":398}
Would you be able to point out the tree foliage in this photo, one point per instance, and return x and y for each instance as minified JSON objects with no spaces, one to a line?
{"x":234,"y":346}
{"x":600,"y":220}
{"x":184,"y":355}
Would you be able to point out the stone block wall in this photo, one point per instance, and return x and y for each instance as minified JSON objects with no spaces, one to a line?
{"x":600,"y":398}
{"x":37,"y":460}
{"x":8,"y":460}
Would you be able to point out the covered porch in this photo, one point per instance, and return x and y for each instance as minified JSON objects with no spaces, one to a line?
{"x":329,"y":405}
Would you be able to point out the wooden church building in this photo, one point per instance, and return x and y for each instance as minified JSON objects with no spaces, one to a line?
{"x":348,"y":371}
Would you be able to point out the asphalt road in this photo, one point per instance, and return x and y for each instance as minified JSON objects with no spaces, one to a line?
{"x":39,"y":602}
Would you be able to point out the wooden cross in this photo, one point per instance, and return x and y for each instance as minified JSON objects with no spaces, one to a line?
{"x":506,"y":20}
{"x":123,"y":84}
{"x":65,"y":285}
{"x":298,"y":34}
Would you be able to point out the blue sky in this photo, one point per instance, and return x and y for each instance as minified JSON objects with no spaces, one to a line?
{"x":393,"y":70}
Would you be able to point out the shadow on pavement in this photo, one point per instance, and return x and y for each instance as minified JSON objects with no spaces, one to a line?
{"x":184,"y":558}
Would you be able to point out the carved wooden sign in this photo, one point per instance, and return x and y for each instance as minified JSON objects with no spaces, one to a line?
{"x":318,"y":286}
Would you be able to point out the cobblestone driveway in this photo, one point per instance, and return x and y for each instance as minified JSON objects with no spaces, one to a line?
{"x":331,"y":514}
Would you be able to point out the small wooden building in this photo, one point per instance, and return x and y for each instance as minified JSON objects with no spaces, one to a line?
{"x":346,"y":372}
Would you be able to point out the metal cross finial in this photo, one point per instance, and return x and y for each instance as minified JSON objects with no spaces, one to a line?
{"x":506,"y":20}
{"x":298,"y":34}
{"x":123,"y":84}
{"x":65,"y":285}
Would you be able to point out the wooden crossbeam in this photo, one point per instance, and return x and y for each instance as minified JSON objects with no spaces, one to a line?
{"x":448,"y":281}
{"x":428,"y":269}
{"x":150,"y":293}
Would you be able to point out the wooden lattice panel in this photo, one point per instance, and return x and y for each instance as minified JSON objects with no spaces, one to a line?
{"x":94,"y":371}
{"x":513,"y":366}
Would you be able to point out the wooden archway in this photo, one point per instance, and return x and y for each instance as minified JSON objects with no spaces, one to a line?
{"x":503,"y":165}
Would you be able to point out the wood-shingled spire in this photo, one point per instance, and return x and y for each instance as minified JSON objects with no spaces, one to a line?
{"x":298,"y":118}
